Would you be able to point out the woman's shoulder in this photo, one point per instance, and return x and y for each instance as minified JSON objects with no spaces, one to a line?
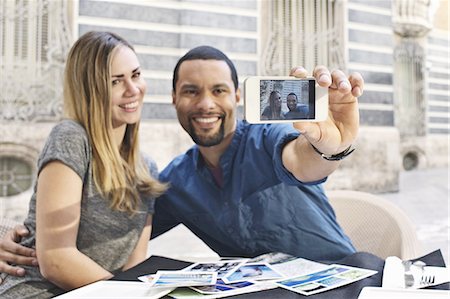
{"x":68,"y":136}
{"x":68,"y":126}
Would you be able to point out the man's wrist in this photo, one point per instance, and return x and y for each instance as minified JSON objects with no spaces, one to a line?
{"x":335,"y":157}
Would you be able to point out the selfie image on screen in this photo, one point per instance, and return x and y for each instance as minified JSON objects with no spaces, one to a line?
{"x":287,"y":99}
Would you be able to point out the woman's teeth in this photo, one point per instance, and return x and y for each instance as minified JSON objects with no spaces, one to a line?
{"x":131,"y":105}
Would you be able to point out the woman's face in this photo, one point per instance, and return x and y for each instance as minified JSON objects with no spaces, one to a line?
{"x":276,"y":100}
{"x":128,"y":88}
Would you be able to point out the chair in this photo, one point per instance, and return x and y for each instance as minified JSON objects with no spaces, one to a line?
{"x":375,"y":225}
{"x":6,"y":225}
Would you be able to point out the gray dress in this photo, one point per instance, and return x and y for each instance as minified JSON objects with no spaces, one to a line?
{"x":108,"y":237}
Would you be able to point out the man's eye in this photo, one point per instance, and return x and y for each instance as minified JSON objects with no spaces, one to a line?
{"x":190,"y":92}
{"x":219,"y":91}
{"x":137,"y":75}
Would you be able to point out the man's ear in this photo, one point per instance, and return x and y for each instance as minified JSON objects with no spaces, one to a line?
{"x":238,"y":95}
{"x":174,"y":98}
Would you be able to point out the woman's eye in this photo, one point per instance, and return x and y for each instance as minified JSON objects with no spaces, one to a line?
{"x":115,"y":82}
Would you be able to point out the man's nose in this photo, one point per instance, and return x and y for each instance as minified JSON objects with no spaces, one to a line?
{"x":206,"y":102}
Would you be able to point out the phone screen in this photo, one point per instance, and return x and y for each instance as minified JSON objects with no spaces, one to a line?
{"x":287,"y":99}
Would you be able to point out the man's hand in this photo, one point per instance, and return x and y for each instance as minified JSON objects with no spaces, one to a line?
{"x":330,"y":137}
{"x":11,"y":252}
{"x":340,"y":129}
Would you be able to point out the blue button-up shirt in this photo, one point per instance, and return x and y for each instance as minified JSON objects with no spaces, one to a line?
{"x":261,"y":206}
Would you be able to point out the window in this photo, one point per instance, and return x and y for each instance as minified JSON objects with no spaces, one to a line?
{"x":15,"y":176}
{"x":34,"y":40}
{"x":301,"y":33}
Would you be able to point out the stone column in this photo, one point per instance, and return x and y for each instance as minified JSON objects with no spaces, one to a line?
{"x":412,"y":20}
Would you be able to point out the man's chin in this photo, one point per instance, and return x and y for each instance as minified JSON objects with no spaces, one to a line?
{"x":207,"y":141}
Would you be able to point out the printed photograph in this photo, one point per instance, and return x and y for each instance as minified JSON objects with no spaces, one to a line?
{"x":309,"y":287}
{"x":179,"y":278}
{"x":332,"y":281}
{"x":311,"y":277}
{"x":353,"y":274}
{"x":222,"y":267}
{"x":259,"y":271}
{"x":221,"y":286}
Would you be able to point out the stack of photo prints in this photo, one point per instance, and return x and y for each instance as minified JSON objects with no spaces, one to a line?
{"x":229,"y":277}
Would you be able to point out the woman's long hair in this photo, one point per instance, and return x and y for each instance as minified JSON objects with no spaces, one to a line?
{"x":120,"y":174}
{"x":275,"y":109}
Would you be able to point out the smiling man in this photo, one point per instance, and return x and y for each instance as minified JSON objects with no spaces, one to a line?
{"x":250,"y":189}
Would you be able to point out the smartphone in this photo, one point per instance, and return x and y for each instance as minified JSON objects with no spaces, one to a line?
{"x":284,"y":99}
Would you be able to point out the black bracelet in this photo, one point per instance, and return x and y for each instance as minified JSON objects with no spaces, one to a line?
{"x":336,"y":157}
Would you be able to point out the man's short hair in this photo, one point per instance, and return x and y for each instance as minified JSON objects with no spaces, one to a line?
{"x":292,"y":94}
{"x":205,"y":53}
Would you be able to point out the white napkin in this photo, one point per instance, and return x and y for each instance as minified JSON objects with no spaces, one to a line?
{"x":394,"y":274}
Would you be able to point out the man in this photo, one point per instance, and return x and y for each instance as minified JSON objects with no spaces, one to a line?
{"x":248,"y":189}
{"x":296,"y":110}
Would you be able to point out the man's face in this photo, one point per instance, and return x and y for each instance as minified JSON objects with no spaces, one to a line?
{"x":206,"y":100}
{"x":291,"y":102}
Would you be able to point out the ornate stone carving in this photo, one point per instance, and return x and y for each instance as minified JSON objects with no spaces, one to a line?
{"x":34,"y":42}
{"x":292,"y":35}
{"x":412,"y":18}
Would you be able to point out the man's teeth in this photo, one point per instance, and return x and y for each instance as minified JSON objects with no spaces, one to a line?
{"x":206,"y":120}
{"x":130,"y":105}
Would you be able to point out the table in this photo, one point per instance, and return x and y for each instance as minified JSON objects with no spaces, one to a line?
{"x":359,"y":259}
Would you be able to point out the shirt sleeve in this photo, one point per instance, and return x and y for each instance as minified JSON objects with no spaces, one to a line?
{"x":68,"y":144}
{"x":276,"y":138}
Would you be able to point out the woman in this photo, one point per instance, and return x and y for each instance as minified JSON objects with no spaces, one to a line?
{"x":273,"y":110}
{"x":90,"y":214}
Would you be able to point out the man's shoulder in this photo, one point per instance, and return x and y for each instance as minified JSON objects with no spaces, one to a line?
{"x":179,"y":164}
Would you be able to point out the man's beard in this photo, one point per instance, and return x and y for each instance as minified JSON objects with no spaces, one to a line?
{"x":209,"y":140}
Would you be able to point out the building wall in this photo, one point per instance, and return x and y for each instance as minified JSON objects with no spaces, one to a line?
{"x":371,"y":44}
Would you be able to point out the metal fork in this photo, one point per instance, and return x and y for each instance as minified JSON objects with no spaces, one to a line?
{"x":427,"y":279}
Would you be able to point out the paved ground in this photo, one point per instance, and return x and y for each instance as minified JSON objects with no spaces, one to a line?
{"x":424,"y":196}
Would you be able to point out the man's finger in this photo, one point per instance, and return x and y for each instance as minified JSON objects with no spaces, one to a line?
{"x":357,"y":82}
{"x":340,"y":81}
{"x":298,"y":72}
{"x":18,"y":232}
{"x":322,"y":75}
{"x":11,"y":270}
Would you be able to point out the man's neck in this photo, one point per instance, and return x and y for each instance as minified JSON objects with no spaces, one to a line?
{"x":212,"y":154}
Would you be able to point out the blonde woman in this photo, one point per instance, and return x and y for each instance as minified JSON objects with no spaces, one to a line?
{"x":273,"y":110}
{"x":90,"y":214}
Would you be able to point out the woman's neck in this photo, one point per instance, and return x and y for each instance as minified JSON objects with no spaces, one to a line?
{"x":119,"y":134}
